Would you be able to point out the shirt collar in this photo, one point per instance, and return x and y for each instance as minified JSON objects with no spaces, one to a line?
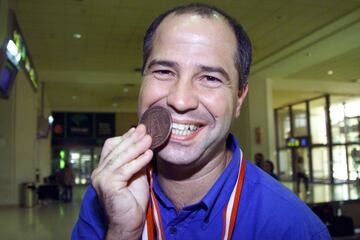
{"x":218,"y":195}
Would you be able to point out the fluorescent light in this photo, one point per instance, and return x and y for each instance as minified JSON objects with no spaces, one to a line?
{"x":50,"y":119}
{"x":13,"y":52}
{"x":12,"y":48}
{"x":330,"y":72}
{"x":75,"y":155}
{"x":18,"y":57}
{"x":77,"y":35}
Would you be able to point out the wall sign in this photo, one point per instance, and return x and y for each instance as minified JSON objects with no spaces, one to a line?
{"x":297,"y":142}
{"x":17,"y":51}
{"x":81,"y":128}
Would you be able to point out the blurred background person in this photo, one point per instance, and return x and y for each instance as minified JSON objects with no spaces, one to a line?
{"x":268,"y":167}
{"x":301,"y":175}
{"x":259,"y":159}
{"x":68,"y":183}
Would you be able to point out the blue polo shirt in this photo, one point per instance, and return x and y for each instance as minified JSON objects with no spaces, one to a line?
{"x":267,"y":210}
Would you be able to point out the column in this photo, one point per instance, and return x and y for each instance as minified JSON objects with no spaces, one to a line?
{"x":255,"y":127}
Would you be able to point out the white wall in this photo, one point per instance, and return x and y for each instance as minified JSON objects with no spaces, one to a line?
{"x":43,"y":156}
{"x":240,"y":129}
{"x":19,"y":146}
{"x":257,"y":112}
{"x":262,"y":117}
{"x":25,"y":129}
{"x":7,"y":152}
{"x":20,"y":150}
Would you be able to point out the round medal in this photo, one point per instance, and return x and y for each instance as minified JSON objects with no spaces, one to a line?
{"x":158,"y":125}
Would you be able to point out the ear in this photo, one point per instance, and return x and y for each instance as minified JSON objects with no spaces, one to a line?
{"x":240,"y":99}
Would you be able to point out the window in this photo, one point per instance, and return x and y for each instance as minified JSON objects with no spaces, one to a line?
{"x":318,"y":121}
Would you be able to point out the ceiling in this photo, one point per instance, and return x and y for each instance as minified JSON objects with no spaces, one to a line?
{"x":96,"y":72}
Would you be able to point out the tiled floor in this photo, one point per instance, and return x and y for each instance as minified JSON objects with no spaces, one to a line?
{"x":51,"y":221}
{"x":55,"y":220}
{"x":48,"y":221}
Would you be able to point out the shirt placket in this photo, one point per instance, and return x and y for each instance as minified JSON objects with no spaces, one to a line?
{"x":178,"y":225}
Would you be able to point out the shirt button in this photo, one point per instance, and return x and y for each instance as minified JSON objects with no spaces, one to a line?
{"x":173,"y":230}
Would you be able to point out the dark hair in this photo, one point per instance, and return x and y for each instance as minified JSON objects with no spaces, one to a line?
{"x":259,"y":155}
{"x":243,"y":54}
{"x":271,"y":164}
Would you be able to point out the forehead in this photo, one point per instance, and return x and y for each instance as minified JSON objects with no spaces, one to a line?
{"x":209,"y":31}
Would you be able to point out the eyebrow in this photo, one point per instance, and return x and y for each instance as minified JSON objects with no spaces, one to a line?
{"x":216,"y":70}
{"x":203,"y":68}
{"x":165,"y":63}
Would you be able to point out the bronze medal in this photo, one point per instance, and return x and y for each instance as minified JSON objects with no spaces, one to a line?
{"x":158,"y":125}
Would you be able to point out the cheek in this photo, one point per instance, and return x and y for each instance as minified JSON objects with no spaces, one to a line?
{"x":149,"y":94}
{"x":220,"y":104}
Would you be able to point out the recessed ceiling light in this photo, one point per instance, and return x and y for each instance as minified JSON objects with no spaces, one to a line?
{"x":330,"y":72}
{"x":50,"y":119}
{"x":77,"y":35}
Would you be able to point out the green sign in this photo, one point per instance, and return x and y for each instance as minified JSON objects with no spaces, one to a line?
{"x":18,"y":53}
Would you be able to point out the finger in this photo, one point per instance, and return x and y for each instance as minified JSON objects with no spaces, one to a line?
{"x":111,"y":143}
{"x":129,"y":154}
{"x":128,"y":170}
{"x":127,"y":143}
{"x":121,"y":175}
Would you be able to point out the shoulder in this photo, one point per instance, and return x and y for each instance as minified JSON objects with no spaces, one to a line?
{"x":91,"y":223}
{"x":274,"y":210}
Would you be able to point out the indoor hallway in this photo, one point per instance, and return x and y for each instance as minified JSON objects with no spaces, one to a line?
{"x":51,"y":220}
{"x":54,"y":220}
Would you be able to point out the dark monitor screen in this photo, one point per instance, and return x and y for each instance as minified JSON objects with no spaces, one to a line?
{"x":7,"y":75}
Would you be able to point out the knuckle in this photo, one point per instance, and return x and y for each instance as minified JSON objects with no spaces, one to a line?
{"x":94,"y":174}
{"x":108,"y":142}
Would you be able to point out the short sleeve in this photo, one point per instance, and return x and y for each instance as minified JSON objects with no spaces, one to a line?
{"x":91,"y":223}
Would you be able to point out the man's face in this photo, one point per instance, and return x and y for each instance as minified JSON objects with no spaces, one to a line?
{"x":191,"y":72}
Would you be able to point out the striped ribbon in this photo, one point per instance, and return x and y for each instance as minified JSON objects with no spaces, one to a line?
{"x":153,"y":227}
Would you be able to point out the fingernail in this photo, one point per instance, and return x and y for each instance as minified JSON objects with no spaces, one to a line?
{"x":140,"y":132}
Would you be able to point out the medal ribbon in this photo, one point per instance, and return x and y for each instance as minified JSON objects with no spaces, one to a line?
{"x":153,"y":227}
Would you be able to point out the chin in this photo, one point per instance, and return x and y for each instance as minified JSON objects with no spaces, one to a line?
{"x":178,"y":156}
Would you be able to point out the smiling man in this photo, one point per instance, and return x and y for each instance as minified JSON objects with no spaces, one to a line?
{"x":196,"y":63}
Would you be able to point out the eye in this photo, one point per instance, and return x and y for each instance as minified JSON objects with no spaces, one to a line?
{"x":163,"y":74}
{"x":211,"y":81}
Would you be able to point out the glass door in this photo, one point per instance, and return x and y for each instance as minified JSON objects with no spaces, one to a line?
{"x":320,"y":164}
{"x":83,"y":160}
{"x":285,"y":164}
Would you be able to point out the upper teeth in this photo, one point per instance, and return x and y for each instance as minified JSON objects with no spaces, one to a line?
{"x":190,"y":127}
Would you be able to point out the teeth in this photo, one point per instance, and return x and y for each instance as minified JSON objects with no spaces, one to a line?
{"x":183,"y":129}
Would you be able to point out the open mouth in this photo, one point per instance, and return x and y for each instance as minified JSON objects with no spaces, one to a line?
{"x":184,"y":129}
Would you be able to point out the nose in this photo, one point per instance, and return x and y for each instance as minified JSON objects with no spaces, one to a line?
{"x":182,"y":96}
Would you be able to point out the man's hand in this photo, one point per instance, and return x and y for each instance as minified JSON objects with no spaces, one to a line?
{"x":121,"y":184}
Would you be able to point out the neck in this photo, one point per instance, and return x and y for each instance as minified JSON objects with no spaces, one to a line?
{"x":187,"y":185}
